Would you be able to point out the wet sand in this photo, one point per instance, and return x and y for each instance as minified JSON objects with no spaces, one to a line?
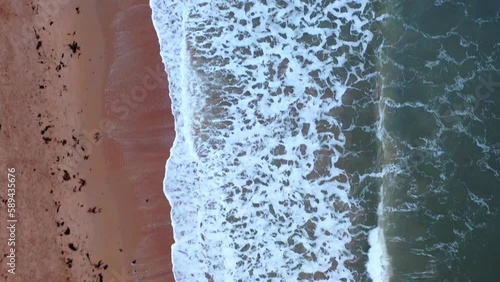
{"x":85,"y":121}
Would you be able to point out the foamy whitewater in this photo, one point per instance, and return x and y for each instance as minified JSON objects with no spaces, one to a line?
{"x":310,"y":141}
{"x":252,"y":180}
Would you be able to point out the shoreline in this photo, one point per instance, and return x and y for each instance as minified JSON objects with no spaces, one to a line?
{"x":98,"y":211}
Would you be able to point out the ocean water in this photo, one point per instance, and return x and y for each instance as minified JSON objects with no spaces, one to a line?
{"x":347,"y":140}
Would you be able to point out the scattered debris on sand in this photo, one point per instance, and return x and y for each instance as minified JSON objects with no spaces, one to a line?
{"x":74,"y":47}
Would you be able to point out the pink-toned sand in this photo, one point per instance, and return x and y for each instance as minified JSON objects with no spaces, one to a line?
{"x":88,"y":129}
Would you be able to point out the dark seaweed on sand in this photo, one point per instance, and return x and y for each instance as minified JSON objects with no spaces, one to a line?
{"x":74,"y":47}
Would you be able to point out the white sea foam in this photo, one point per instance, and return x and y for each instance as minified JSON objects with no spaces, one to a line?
{"x":377,"y":265}
{"x":252,"y":181}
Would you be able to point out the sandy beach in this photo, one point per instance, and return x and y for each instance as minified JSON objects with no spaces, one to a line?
{"x":85,"y":124}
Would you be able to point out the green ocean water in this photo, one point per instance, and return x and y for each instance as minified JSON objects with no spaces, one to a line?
{"x":439,"y":79}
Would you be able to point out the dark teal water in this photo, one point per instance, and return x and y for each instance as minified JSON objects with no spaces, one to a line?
{"x":439,"y":75}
